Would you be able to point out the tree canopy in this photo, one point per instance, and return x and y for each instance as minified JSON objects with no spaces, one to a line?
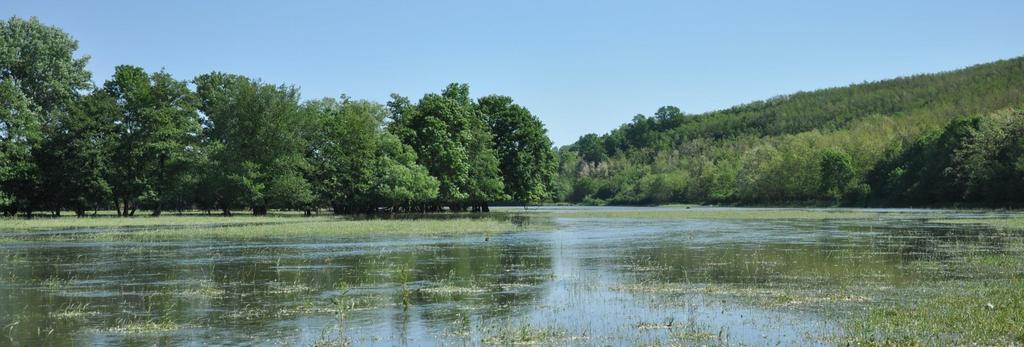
{"x":146,"y":140}
{"x":895,"y":142}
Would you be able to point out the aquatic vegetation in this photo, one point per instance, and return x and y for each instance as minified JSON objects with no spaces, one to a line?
{"x":452,"y":290}
{"x":739,"y":214}
{"x":250,"y":313}
{"x":527,"y":334}
{"x":634,"y":281}
{"x":693,"y":332}
{"x":1009,"y":223}
{"x":315,"y":229}
{"x":986,"y":309}
{"x":70,"y":222}
{"x":988,"y":313}
{"x":75,"y":311}
{"x":405,"y":293}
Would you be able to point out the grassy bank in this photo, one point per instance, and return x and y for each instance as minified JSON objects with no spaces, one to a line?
{"x":312,"y":228}
{"x":71,"y":222}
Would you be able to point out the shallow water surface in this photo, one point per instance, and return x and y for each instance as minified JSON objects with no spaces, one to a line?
{"x":618,"y":281}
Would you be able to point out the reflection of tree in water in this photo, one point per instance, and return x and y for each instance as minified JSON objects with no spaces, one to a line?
{"x":454,"y":282}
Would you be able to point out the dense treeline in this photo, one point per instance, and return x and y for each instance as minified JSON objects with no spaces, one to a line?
{"x":147,"y":141}
{"x":940,"y":139}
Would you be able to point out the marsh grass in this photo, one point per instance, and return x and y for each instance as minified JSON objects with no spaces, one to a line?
{"x":316,"y":228}
{"x":778,"y":297}
{"x":743,"y":214}
{"x":985,"y":313}
{"x":451,"y":290}
{"x":74,"y":311}
{"x":69,"y":222}
{"x":527,"y":334}
{"x":148,"y":327}
{"x":201,"y":292}
{"x":1010,"y":223}
{"x":985,"y":306}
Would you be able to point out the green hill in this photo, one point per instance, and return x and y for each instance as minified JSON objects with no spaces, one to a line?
{"x":889,"y":142}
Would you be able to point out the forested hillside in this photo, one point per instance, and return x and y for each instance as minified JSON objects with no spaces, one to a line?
{"x":149,"y":141}
{"x":937,"y":139}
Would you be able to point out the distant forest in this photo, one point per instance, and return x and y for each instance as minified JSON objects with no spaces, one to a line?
{"x":220,"y":142}
{"x":946,"y":139}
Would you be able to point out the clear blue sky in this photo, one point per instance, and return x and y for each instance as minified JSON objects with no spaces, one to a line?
{"x":581,"y":66}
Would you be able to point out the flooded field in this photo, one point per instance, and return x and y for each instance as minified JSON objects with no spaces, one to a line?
{"x":588,"y":276}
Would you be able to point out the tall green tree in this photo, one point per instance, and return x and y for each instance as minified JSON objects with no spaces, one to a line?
{"x":78,"y":154}
{"x":837,"y":173}
{"x":40,"y":79}
{"x":924,"y":171}
{"x":257,"y":149}
{"x":525,"y":156}
{"x":157,"y":123}
{"x":399,"y":181}
{"x":357,"y":165}
{"x":19,"y":132}
{"x":590,"y":148}
{"x":452,"y":141}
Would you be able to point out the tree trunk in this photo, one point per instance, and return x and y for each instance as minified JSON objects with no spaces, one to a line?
{"x":159,"y":188}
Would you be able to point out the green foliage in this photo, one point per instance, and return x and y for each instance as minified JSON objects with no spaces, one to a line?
{"x":590,"y":148}
{"x":526,"y":160}
{"x":155,"y":126}
{"x":148,"y":141}
{"x":39,"y":82}
{"x":901,"y":147}
{"x":836,"y":173}
{"x":145,"y":140}
{"x":452,"y":141}
{"x":258,"y":149}
{"x":358,"y":166}
{"x":922,"y":172}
